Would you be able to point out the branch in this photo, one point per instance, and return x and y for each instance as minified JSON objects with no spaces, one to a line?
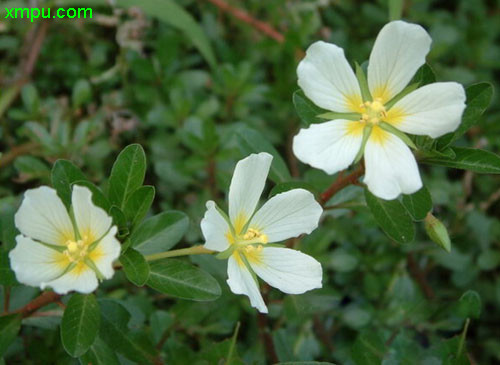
{"x":242,"y":15}
{"x":267,"y":339}
{"x":419,"y":276}
{"x":16,"y":151}
{"x":42,"y":300}
{"x":341,"y":182}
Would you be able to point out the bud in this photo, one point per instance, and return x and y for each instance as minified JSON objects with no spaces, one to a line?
{"x":437,"y":232}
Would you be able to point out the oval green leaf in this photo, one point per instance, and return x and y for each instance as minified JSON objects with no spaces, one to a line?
{"x":182,"y":280}
{"x":65,"y":173}
{"x":115,"y":333}
{"x":138,"y":204}
{"x":135,"y":266}
{"x":9,"y":327}
{"x":418,"y":204}
{"x":127,"y":174}
{"x":252,"y":141}
{"x":392,"y":217}
{"x":160,"y":232}
{"x":472,"y":159}
{"x":80,"y":324}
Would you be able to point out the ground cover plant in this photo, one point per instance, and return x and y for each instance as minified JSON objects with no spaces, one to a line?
{"x":250,"y":182}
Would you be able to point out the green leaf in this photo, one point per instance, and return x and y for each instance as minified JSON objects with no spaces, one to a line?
{"x":82,"y":93}
{"x":9,"y":328}
{"x":31,"y":167}
{"x":252,"y":141}
{"x":135,"y":266}
{"x":182,"y":280}
{"x":472,"y":159}
{"x":138,"y":204}
{"x":290,"y":185}
{"x":469,"y":305}
{"x":98,"y":197}
{"x":368,"y":349}
{"x":418,"y":204}
{"x":80,"y":324}
{"x":392,"y":217}
{"x":115,"y":332}
{"x":308,"y":112}
{"x":64,"y":173}
{"x":99,"y":354}
{"x":478,"y":99}
{"x":447,"y":350}
{"x":30,"y":97}
{"x":7,"y":276}
{"x":127,"y":174}
{"x":120,"y":220}
{"x":424,"y":76}
{"x":160,"y":232}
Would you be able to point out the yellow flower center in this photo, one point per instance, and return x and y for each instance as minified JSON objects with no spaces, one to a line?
{"x":373,"y":111}
{"x":248,"y":242}
{"x":77,"y":251}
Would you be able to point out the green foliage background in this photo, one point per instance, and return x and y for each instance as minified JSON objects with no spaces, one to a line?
{"x":198,"y":100}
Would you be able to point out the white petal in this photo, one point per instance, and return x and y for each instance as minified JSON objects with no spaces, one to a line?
{"x":214,"y":228}
{"x":327,"y":79}
{"x":246,"y":187}
{"x":42,"y":216}
{"x":81,"y":279}
{"x":288,"y":270}
{"x":106,"y":252}
{"x":432,"y":110}
{"x":287,"y":215}
{"x":398,"y":52}
{"x":92,"y":221}
{"x":391,"y":168}
{"x":35,"y":264}
{"x":240,"y":281}
{"x":330,"y":146}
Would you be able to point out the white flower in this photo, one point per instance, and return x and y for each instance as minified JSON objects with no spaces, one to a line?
{"x":327,"y":79}
{"x":62,"y":251}
{"x":245,"y":235}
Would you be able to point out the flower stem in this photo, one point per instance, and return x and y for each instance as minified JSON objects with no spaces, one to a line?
{"x":195,"y":250}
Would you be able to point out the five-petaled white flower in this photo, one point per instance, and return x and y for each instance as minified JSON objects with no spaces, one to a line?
{"x":60,"y":250}
{"x":245,"y":235}
{"x":327,"y":79}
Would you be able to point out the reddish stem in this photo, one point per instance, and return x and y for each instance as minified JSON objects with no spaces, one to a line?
{"x":42,"y":300}
{"x":341,"y":182}
{"x":247,"y":18}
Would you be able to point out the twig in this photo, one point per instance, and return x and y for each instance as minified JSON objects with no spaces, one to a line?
{"x":493,"y":198}
{"x":242,"y":15}
{"x":341,"y":182}
{"x":6,"y":300}
{"x":267,"y":339}
{"x":323,"y":334}
{"x":419,"y":276}
{"x":163,"y":339}
{"x":35,"y":48}
{"x":15,"y":152}
{"x":42,"y":300}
